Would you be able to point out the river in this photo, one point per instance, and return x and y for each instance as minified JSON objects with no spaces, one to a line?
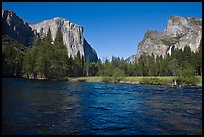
{"x":81,"y":108}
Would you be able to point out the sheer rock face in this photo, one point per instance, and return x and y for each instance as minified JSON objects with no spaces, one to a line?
{"x":72,"y":33}
{"x":72,"y":36}
{"x":15,"y":27}
{"x":131,"y":59}
{"x":26,"y":33}
{"x":152,"y":44}
{"x":188,"y":31}
{"x":179,"y":32}
{"x":89,"y":52}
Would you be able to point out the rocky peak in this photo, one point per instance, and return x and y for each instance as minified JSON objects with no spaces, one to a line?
{"x":196,"y":21}
{"x":16,"y":27}
{"x":179,"y":32}
{"x":152,"y":43}
{"x":131,"y":59}
{"x":26,"y":33}
{"x":58,"y":18}
{"x":176,"y":26}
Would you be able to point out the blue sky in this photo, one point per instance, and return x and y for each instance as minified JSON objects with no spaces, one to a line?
{"x":111,"y":28}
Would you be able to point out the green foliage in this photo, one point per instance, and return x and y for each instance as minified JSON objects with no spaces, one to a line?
{"x":196,"y":21}
{"x":29,"y":63}
{"x":107,"y":68}
{"x":142,"y":66}
{"x":106,"y":79}
{"x":187,"y":77}
{"x":173,"y":66}
{"x":59,"y":37}
{"x":12,"y":54}
{"x":151,"y":81}
{"x":50,"y":61}
{"x":187,"y":81}
{"x":177,"y":65}
{"x":45,"y":60}
{"x":118,"y":74}
{"x":156,"y":81}
{"x":99,"y":68}
{"x":131,"y":70}
{"x":90,"y":68}
{"x":59,"y":58}
{"x":168,"y":41}
{"x":78,"y":65}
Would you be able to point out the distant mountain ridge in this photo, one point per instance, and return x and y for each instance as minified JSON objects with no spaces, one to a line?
{"x":131,"y":59}
{"x":25,"y":33}
{"x":178,"y":33}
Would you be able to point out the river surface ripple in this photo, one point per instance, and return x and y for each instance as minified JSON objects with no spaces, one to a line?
{"x":80,"y":108}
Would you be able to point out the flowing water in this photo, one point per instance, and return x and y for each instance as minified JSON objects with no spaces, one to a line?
{"x":80,"y":108}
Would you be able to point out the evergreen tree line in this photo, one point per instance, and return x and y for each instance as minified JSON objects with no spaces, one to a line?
{"x":175,"y":65}
{"x":49,"y":60}
{"x":12,"y":57}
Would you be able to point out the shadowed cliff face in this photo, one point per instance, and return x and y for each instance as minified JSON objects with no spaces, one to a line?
{"x":15,"y":27}
{"x":89,"y":52}
{"x":179,"y":32}
{"x":25,"y":33}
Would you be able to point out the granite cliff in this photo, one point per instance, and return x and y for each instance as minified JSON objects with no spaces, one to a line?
{"x":17,"y":28}
{"x":131,"y":59}
{"x":178,"y":33}
{"x":25,"y":33}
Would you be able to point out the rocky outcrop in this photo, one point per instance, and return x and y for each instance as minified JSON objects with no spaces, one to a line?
{"x":152,"y":43}
{"x":72,"y":33}
{"x":89,"y":52}
{"x":187,"y":32}
{"x":25,"y":33}
{"x":131,"y":59}
{"x":179,"y":32}
{"x":72,"y":36}
{"x":15,"y":27}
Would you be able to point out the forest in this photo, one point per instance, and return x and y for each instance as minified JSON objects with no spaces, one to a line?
{"x":49,"y":60}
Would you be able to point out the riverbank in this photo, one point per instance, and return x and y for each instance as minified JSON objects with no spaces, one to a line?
{"x":162,"y":80}
{"x":150,"y":80}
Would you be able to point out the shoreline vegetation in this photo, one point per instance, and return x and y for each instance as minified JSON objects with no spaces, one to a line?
{"x":46,"y":60}
{"x":150,"y":80}
{"x":154,"y":80}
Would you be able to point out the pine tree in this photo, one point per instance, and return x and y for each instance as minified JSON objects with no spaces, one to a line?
{"x":12,"y":54}
{"x":99,"y":67}
{"x":173,"y":66}
{"x":29,"y":63}
{"x":187,"y":54}
{"x":141,"y":65}
{"x":107,"y":68}
{"x":70,"y":67}
{"x":78,"y":71}
{"x":59,"y":59}
{"x":200,"y":57}
{"x":152,"y":66}
{"x":59,"y":37}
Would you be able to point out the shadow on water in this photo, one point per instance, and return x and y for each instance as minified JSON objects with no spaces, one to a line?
{"x":46,"y":107}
